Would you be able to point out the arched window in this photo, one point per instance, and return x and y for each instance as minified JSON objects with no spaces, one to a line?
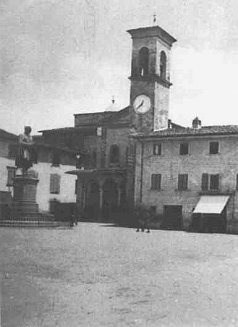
{"x":114,"y":154}
{"x":144,"y":61}
{"x":163,"y":61}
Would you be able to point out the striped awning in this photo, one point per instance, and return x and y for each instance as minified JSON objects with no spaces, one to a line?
{"x":211,"y":204}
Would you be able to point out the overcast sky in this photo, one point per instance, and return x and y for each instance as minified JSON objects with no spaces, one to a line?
{"x":60,"y":57}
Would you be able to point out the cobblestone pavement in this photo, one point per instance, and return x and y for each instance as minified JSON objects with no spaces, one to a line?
{"x":99,"y":275}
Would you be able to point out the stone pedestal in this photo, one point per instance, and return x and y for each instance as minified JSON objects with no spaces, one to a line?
{"x":24,"y":206}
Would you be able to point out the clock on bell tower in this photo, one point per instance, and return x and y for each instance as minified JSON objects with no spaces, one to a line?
{"x":150,"y":81}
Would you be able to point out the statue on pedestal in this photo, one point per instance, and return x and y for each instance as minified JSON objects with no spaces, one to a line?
{"x":26,"y":155}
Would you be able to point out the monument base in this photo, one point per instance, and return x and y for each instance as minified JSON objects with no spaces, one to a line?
{"x":24,"y":209}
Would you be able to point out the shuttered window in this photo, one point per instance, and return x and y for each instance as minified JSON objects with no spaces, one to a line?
{"x":182,"y":182}
{"x":54,"y":184}
{"x":11,"y":173}
{"x":156,"y":181}
{"x":183,"y":149}
{"x":213,"y":147}
{"x":214,"y":182}
{"x":157,"y":149}
{"x":205,"y":180}
{"x":211,"y":182}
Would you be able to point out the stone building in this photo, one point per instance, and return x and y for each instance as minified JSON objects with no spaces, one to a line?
{"x":190,"y":176}
{"x":53,"y":163}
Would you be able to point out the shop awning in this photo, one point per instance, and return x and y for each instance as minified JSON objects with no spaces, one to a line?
{"x":211,"y":204}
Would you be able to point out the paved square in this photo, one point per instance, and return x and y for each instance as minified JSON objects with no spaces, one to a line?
{"x":99,"y":275}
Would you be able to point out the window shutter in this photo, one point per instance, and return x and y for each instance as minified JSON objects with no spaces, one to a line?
{"x":11,"y":172}
{"x":204,"y":182}
{"x":54,"y":184}
{"x":182,"y":182}
{"x":156,"y":181}
{"x":214,"y":182}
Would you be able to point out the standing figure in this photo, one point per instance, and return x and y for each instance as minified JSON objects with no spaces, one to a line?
{"x":26,"y":155}
{"x":143,"y":218}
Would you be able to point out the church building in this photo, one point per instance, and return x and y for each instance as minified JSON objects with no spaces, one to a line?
{"x":137,"y":155}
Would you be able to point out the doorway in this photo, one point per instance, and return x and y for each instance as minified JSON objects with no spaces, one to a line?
{"x":172,"y":217}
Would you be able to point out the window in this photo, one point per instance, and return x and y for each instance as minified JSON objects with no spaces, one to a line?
{"x":205,"y":182}
{"x":54,"y":184}
{"x":157,"y":149}
{"x":56,"y":158}
{"x":156,"y":181}
{"x":210,"y":182}
{"x":213,"y":147}
{"x":183,"y":149}
{"x":114,"y":154}
{"x":237,"y":182}
{"x":11,"y":173}
{"x":182,"y":182}
{"x":214,"y":182}
{"x":163,"y":61}
{"x":144,"y":61}
{"x":76,"y":186}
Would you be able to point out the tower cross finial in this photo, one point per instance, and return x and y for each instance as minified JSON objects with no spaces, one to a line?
{"x":154,"y":18}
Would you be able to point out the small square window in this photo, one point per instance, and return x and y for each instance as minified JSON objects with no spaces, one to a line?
{"x":157,"y":149}
{"x":213,"y":147}
{"x":183,"y":149}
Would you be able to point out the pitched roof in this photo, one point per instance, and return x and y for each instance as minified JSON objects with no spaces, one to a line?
{"x":7,"y":135}
{"x":188,"y":131}
{"x":101,"y":118}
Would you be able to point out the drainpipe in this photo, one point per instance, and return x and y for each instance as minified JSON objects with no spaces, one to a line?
{"x":142,"y":171}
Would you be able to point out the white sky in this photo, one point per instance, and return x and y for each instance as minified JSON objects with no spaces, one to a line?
{"x":60,"y":57}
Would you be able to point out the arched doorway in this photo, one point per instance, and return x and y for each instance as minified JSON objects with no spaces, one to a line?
{"x":110,"y":199}
{"x":92,"y":201}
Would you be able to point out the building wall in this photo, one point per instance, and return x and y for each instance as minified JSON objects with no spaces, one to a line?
{"x":67,"y":185}
{"x":44,"y":169}
{"x":120,"y":138}
{"x":170,"y":163}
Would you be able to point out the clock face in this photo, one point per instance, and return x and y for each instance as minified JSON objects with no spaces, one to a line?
{"x":142,"y":104}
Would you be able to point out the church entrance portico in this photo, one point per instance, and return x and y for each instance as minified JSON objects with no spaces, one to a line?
{"x":100,"y":193}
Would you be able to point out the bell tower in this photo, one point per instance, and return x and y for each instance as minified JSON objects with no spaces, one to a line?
{"x":150,"y":78}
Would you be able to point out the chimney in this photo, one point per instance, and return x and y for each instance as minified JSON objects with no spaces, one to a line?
{"x":197,"y":123}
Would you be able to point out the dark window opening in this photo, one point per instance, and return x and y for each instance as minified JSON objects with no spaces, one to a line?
{"x":56,"y":158}
{"x":183,"y":149}
{"x":163,"y":62}
{"x":156,"y":181}
{"x":54,"y":184}
{"x":182,"y":182}
{"x":76,"y":186}
{"x":210,"y":182}
{"x":11,"y":173}
{"x":114,"y":154}
{"x":214,"y":182}
{"x":205,"y":182}
{"x":157,"y":149}
{"x":214,"y":147}
{"x":144,"y":61}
